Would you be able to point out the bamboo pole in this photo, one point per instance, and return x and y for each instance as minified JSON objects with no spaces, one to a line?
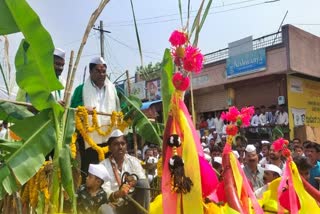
{"x":67,"y":88}
{"x":91,"y":22}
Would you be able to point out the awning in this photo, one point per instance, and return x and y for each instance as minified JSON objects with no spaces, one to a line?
{"x":146,"y":105}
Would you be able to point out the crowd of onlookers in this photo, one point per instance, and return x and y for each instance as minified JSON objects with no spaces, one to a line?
{"x":262,"y":164}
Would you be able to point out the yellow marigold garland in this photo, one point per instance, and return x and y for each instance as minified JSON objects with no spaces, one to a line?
{"x":159,"y":167}
{"x":73,"y":147}
{"x":38,"y":183}
{"x":82,"y":125}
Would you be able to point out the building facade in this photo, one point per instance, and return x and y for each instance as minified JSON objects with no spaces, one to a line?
{"x":280,"y":68}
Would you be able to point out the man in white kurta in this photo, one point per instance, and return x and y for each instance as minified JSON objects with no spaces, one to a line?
{"x":100,"y":93}
{"x":118,"y":163}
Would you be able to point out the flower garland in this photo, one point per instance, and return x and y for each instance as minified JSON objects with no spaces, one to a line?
{"x":73,"y":147}
{"x":82,"y":125}
{"x":237,"y":119}
{"x":187,"y":58}
{"x":39,"y":183}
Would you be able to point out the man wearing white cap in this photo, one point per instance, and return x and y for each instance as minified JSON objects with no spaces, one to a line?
{"x":58,"y":64}
{"x":90,"y":196}
{"x":100,"y":93}
{"x":118,"y":163}
{"x":271,"y":172}
{"x":251,"y":169}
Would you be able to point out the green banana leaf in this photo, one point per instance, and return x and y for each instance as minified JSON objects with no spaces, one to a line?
{"x":35,"y":78}
{"x":148,"y":130}
{"x":8,"y":146}
{"x":167,"y":87}
{"x":65,"y":157}
{"x":38,"y":135}
{"x":7,"y":22}
{"x":13,"y":113}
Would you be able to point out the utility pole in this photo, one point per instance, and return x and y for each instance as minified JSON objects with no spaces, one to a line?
{"x":101,"y":30}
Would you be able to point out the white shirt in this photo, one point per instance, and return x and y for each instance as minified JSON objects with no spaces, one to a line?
{"x":210,"y":122}
{"x":263,"y":119}
{"x":255,"y":121}
{"x":218,"y":123}
{"x":130,"y":164}
{"x":3,"y":133}
{"x":282,"y":118}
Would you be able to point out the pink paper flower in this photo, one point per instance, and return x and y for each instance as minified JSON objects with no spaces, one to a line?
{"x":247,"y":113}
{"x":193,"y":59}
{"x":231,"y":115}
{"x":180,"y":82}
{"x":280,"y":144}
{"x":178,"y":38}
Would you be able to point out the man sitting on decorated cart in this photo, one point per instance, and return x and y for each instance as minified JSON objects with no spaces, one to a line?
{"x":98,"y":93}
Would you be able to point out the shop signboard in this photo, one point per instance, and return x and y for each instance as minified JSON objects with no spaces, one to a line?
{"x":303,"y":102}
{"x":246,"y":63}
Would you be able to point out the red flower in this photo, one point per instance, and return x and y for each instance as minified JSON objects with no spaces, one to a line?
{"x":178,"y":38}
{"x":231,"y":130}
{"x":286,"y":153}
{"x":180,"y":82}
{"x":193,"y":59}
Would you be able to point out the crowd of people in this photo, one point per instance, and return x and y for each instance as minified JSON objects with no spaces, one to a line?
{"x":121,"y":182}
{"x":262,"y":164}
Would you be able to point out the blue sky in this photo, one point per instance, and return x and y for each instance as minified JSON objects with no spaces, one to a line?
{"x":229,"y":20}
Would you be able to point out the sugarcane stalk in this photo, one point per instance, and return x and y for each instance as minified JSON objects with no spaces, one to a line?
{"x":91,"y":22}
{"x":67,"y":88}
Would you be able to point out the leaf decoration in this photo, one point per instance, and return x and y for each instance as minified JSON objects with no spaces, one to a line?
{"x":144,"y":127}
{"x":167,"y":87}
{"x":35,"y":78}
{"x":13,"y":113}
{"x":39,"y":140}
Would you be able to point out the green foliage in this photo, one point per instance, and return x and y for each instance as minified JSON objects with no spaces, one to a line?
{"x":149,"y":72}
{"x":7,"y":22}
{"x":167,"y":87}
{"x":47,"y":130}
{"x":36,"y":80}
{"x":150,"y":131}
{"x":13,"y":113}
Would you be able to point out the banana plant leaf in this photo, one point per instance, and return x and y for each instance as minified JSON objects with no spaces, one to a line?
{"x":167,"y":87}
{"x":13,"y":113}
{"x":148,"y":130}
{"x":65,"y":154}
{"x":35,"y":78}
{"x":38,"y":137}
{"x":8,"y":146}
{"x":7,"y":22}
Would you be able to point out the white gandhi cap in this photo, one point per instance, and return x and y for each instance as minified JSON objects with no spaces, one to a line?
{"x":250,"y":148}
{"x":60,"y":53}
{"x":116,"y":133}
{"x":100,"y":171}
{"x":217,"y":160}
{"x":98,"y":60}
{"x":273,"y":168}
